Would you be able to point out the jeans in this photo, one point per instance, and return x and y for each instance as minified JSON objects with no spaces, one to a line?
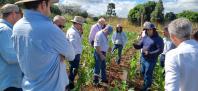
{"x":147,"y":67}
{"x":100,"y":66}
{"x":13,"y":89}
{"x":74,"y":67}
{"x":119,"y":47}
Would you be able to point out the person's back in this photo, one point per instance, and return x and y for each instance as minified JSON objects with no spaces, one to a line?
{"x":39,"y":45}
{"x":10,"y":72}
{"x":181,"y":70}
{"x":185,"y":65}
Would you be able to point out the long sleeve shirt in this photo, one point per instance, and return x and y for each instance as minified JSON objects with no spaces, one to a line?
{"x":119,"y":38}
{"x":39,"y":45}
{"x":75,"y":38}
{"x":181,"y":67}
{"x":94,"y":29}
{"x":10,"y":72}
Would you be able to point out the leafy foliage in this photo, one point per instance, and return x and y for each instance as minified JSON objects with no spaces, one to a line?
{"x":170,"y":16}
{"x":192,"y":16}
{"x":157,"y":14}
{"x":111,"y":9}
{"x":141,"y":11}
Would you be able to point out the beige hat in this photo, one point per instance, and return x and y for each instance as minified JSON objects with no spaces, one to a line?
{"x":7,"y":8}
{"x":24,"y":1}
{"x":78,"y":19}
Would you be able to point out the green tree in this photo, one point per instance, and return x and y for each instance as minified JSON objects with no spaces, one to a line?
{"x":170,"y":16}
{"x":192,"y":16}
{"x":157,"y":15}
{"x":2,"y":2}
{"x":149,"y":8}
{"x":141,"y":12}
{"x":111,"y":10}
{"x":134,"y":15}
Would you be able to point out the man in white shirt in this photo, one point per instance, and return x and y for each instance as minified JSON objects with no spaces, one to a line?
{"x":74,"y":35}
{"x":181,"y":64}
{"x":101,"y":46}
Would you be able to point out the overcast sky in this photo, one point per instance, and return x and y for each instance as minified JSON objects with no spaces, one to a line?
{"x":99,"y":7}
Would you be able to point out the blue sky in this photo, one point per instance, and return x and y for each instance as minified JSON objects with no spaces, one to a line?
{"x":98,"y":7}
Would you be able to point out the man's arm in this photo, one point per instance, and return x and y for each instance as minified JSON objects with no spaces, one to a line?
{"x":58,"y":41}
{"x":7,"y":51}
{"x":172,"y":75}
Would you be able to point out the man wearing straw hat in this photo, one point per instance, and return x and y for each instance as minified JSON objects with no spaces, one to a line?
{"x":39,"y":45}
{"x":74,"y":35}
{"x":10,"y":72}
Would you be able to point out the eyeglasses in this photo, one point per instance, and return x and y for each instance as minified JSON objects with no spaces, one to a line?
{"x":61,"y":26}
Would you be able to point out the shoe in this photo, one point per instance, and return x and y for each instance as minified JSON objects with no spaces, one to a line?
{"x":104,"y":83}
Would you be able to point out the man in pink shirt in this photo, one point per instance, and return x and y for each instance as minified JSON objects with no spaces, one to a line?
{"x":95,"y":28}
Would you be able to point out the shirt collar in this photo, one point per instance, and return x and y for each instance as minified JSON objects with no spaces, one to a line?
{"x":76,"y":30}
{"x":6,"y":22}
{"x":31,"y":14}
{"x":186,"y":42}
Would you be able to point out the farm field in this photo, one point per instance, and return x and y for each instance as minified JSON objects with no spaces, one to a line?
{"x":123,"y":77}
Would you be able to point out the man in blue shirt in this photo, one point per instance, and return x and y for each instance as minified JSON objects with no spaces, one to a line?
{"x":39,"y":45}
{"x":10,"y":72}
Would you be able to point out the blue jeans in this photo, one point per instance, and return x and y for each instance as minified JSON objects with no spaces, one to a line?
{"x":100,"y":66}
{"x":74,"y":67}
{"x":147,"y":67}
{"x":119,"y":47}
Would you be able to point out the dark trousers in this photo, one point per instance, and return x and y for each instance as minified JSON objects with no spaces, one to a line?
{"x":100,"y":67}
{"x":147,"y":67}
{"x":74,"y":65}
{"x":119,"y":47}
{"x":13,"y":89}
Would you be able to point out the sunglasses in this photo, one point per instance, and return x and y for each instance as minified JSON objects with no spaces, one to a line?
{"x":61,"y":26}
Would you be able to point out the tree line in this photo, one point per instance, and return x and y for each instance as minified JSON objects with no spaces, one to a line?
{"x":154,"y":11}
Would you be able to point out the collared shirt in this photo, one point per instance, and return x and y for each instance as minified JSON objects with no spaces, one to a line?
{"x":74,"y":36}
{"x":10,"y":72}
{"x":119,"y":38}
{"x":181,"y":67}
{"x":94,"y":29}
{"x":39,"y":45}
{"x":102,"y":41}
{"x":168,"y":45}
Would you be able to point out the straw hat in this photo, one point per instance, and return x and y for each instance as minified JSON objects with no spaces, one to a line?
{"x":78,"y":19}
{"x":24,"y":1}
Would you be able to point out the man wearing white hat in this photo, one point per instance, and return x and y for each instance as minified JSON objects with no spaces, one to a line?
{"x":10,"y":72}
{"x":74,"y":35}
{"x":39,"y":45}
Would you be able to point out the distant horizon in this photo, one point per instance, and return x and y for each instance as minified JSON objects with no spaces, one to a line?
{"x":99,"y":7}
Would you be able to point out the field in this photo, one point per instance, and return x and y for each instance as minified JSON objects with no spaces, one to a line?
{"x":123,"y":77}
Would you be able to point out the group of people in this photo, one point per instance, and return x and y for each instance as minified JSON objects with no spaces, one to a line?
{"x":33,"y":47}
{"x":177,"y":53}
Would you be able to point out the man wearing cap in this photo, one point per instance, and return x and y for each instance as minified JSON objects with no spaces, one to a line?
{"x":59,"y":21}
{"x":10,"y":72}
{"x":101,"y":46}
{"x":95,"y":28}
{"x":39,"y":45}
{"x":74,"y":35}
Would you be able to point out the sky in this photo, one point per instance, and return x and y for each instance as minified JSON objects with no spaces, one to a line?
{"x":99,"y":7}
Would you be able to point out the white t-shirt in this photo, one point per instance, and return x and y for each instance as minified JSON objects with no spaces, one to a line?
{"x":102,"y":41}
